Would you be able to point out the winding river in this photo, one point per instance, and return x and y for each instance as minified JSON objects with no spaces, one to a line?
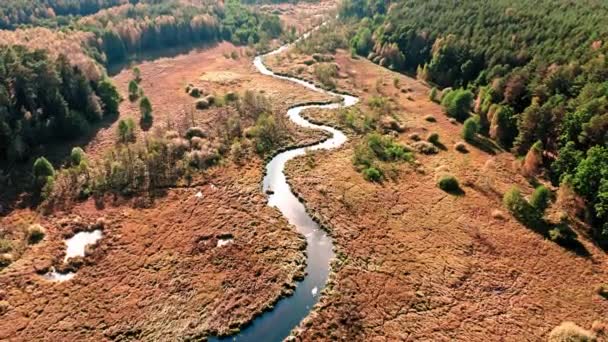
{"x":276,"y":325}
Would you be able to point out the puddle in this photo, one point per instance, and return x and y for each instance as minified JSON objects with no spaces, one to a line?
{"x":77,"y":243}
{"x":224,"y":242}
{"x":53,"y":275}
{"x":75,"y":246}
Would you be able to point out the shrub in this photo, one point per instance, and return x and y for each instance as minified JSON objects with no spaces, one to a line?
{"x":449,"y":184}
{"x":378,"y":147}
{"x":178,"y":146}
{"x":77,"y":156}
{"x":266,"y":134}
{"x":231,"y":96}
{"x":540,"y":199}
{"x":236,"y":151}
{"x":570,"y":332}
{"x":325,"y":73}
{"x":470,"y":128}
{"x":397,"y":152}
{"x":211,"y":99}
{"x":195,"y":92}
{"x":35,"y":234}
{"x":519,"y":207}
{"x":457,"y":103}
{"x":137,"y":74}
{"x":433,"y":138}
{"x":602,"y":290}
{"x":461,"y":147}
{"x":133,"y":91}
{"x":202,"y":104}
{"x":197,"y":143}
{"x":44,"y":174}
{"x":372,"y":174}
{"x":425,"y":147}
{"x":204,"y":158}
{"x":145,"y":108}
{"x":433,"y":94}
{"x":126,"y":131}
{"x":195,"y":131}
{"x":171,"y":135}
{"x":533,"y":160}
{"x":5,"y":260}
{"x":5,"y":246}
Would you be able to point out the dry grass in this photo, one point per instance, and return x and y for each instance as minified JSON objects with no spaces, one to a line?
{"x":570,"y":332}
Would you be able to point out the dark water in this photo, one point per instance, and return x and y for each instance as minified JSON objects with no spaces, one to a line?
{"x":277,"y":324}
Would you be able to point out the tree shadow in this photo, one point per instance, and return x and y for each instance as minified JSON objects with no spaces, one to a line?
{"x":485,"y":144}
{"x":561,"y":233}
{"x":146,"y":124}
{"x":440,"y":145}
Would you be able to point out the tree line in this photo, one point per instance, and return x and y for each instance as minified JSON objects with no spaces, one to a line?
{"x":44,"y":100}
{"x":15,"y":13}
{"x":534,"y":73}
{"x":129,"y":30}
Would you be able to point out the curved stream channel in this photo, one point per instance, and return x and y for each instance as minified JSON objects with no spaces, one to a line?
{"x":276,"y":325}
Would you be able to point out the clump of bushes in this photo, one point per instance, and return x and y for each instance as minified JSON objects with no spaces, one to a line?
{"x":44,"y":176}
{"x":425,"y":147}
{"x":126,"y":131}
{"x":5,"y":246}
{"x":457,"y":103}
{"x":470,"y":128}
{"x":532,"y":214}
{"x":602,"y":290}
{"x":515,"y":202}
{"x":322,"y":58}
{"x":5,"y":260}
{"x":195,"y":131}
{"x":372,"y":174}
{"x":133,"y":91}
{"x":203,"y":158}
{"x":231,"y":96}
{"x":195,"y":92}
{"x":433,"y":138}
{"x":461,"y":147}
{"x":77,"y":156}
{"x":35,"y":234}
{"x":202,"y":104}
{"x":540,"y":199}
{"x":373,"y":150}
{"x":145,"y":109}
{"x":266,"y":134}
{"x":414,"y":137}
{"x":533,"y":160}
{"x":433,"y":95}
{"x":449,"y":184}
{"x":357,"y":120}
{"x":325,"y":73}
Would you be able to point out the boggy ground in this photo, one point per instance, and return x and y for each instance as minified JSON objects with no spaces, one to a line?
{"x":158,"y":273}
{"x":415,"y":263}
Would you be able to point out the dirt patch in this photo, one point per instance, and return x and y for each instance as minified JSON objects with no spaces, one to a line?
{"x":417,"y":263}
